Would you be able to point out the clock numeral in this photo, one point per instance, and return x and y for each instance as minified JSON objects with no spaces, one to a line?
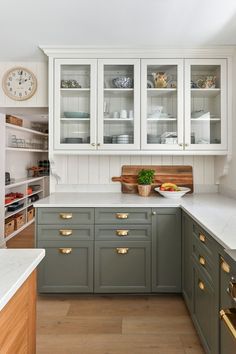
{"x":30,"y":89}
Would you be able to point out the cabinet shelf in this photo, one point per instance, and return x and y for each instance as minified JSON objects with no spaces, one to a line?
{"x":75,"y":119}
{"x":205,"y":92}
{"x":11,"y":213}
{"x":205,"y":119}
{"x":161,"y":91}
{"x":118,"y":91}
{"x":162,"y":119}
{"x":75,"y":89}
{"x":23,"y":129}
{"x":19,"y":230}
{"x":8,"y":148}
{"x":118,"y":120}
{"x":22,"y":181}
{"x":15,"y":201}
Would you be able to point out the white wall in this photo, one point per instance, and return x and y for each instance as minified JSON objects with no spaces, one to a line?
{"x":92,"y":173}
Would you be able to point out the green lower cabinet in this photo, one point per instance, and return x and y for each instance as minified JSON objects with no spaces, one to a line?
{"x":66,"y":268}
{"x":166,"y":250}
{"x":187,"y":269}
{"x":205,"y":311}
{"x":227,"y":342}
{"x":122,"y":267}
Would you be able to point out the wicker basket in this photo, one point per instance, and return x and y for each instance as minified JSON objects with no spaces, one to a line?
{"x":19,"y":221}
{"x":14,"y":120}
{"x":30,"y":214}
{"x":9,"y":227}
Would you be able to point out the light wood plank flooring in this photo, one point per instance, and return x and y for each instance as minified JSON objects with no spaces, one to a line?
{"x":81,"y":324}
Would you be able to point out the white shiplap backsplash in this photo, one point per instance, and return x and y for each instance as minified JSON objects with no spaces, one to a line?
{"x":94,"y":173}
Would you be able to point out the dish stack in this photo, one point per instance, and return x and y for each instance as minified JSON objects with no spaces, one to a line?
{"x":153,"y":139}
{"x":122,"y":139}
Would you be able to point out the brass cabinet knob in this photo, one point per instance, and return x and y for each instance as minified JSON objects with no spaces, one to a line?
{"x":224,"y":266}
{"x":232,"y":288}
{"x":65,"y":250}
{"x":122,"y":232}
{"x":202,"y":261}
{"x":186,"y":145}
{"x":122,"y":215}
{"x":99,"y":144}
{"x":66,"y":215}
{"x":202,"y":238}
{"x":229,"y":318}
{"x":154,"y":213}
{"x":201,"y":285}
{"x":93,"y":144}
{"x":122,"y":250}
{"x":181,"y":144}
{"x":65,"y":232}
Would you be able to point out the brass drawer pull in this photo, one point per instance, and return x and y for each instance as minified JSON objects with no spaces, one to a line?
{"x":122,"y":215}
{"x":66,"y":215}
{"x":65,"y":232}
{"x":122,"y":232}
{"x":224,"y":266}
{"x":229,"y":318}
{"x":65,"y":250}
{"x":202,"y":238}
{"x":201,"y":285}
{"x":124,"y":250}
{"x":202,"y":261}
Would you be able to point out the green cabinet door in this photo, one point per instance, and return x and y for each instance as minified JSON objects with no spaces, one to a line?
{"x":66,"y":268}
{"x":187,"y":267}
{"x":122,"y":267}
{"x":166,"y":250}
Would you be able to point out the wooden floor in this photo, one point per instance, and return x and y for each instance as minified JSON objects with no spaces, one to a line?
{"x":80,"y":324}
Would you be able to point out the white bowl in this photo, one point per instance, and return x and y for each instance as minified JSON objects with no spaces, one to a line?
{"x":173,"y":195}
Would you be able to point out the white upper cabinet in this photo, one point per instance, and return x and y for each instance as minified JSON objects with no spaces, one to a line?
{"x":75,"y":104}
{"x":162,"y":104}
{"x":119,"y":104}
{"x":205,"y":104}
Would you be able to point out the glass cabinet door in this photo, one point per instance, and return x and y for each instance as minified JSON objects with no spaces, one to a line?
{"x":162,"y":104}
{"x":205,"y":100}
{"x":75,"y":104}
{"x":118,"y":104}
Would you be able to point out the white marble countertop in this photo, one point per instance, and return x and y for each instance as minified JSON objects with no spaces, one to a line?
{"x":215,"y":212}
{"x":15,"y":267}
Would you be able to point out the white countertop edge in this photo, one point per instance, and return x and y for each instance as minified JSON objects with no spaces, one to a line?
{"x":16,"y":284}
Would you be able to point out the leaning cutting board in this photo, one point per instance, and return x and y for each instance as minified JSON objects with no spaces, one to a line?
{"x":180,"y":175}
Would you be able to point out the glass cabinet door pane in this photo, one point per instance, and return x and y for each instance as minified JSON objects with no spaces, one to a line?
{"x":205,"y":104}
{"x":162,"y":90}
{"x":120,"y":112}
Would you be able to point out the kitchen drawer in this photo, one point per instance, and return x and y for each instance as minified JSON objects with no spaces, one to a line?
{"x":204,"y":309}
{"x":65,"y":216}
{"x":122,"y":267}
{"x":123,"y":216}
{"x":66,"y":268}
{"x":203,"y":239}
{"x":202,"y":258}
{"x":63,"y":232}
{"x":118,"y":232}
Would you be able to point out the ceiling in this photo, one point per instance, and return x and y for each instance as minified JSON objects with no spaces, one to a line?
{"x":166,"y":23}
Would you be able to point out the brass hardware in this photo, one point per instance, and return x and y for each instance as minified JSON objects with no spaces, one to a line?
{"x":229,"y":318}
{"x":224,"y":266}
{"x":121,"y":250}
{"x":154,"y":213}
{"x":181,"y":144}
{"x":202,"y":238}
{"x":65,"y":232}
{"x":122,"y":232}
{"x":93,"y":144}
{"x":98,"y":144}
{"x":201,"y":285}
{"x":202,"y":261}
{"x":66,"y":215}
{"x":65,"y":250}
{"x":122,"y":215}
{"x":186,"y":145}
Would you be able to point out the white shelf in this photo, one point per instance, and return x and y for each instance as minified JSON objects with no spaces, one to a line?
{"x":8,"y":148}
{"x":205,"y":119}
{"x":198,"y":92}
{"x":11,"y":213}
{"x":22,"y":181}
{"x":117,"y":120}
{"x":75,"y":89}
{"x":27,"y":130}
{"x":15,"y":201}
{"x":162,"y":119}
{"x":161,"y":91}
{"x":19,"y":230}
{"x":115,"y":89}
{"x":75,"y":119}
{"x":36,"y":192}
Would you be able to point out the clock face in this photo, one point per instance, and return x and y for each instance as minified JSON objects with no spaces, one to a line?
{"x":19,"y":84}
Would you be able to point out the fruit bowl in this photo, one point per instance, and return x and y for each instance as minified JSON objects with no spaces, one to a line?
{"x":173,"y":194}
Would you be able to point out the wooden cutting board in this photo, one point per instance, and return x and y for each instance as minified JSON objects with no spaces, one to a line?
{"x":180,"y":175}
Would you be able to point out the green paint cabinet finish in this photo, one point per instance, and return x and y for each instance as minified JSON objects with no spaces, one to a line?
{"x":166,"y":250}
{"x":122,"y":266}
{"x":66,"y":232}
{"x":66,"y":268}
{"x":65,"y":216}
{"x":123,"y":216}
{"x":123,"y":232}
{"x":187,"y":268}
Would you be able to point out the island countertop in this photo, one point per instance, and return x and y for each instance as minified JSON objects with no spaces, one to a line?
{"x":215,"y":212}
{"x":15,"y":267}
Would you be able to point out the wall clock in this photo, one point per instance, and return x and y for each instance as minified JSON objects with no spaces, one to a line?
{"x":19,"y":83}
